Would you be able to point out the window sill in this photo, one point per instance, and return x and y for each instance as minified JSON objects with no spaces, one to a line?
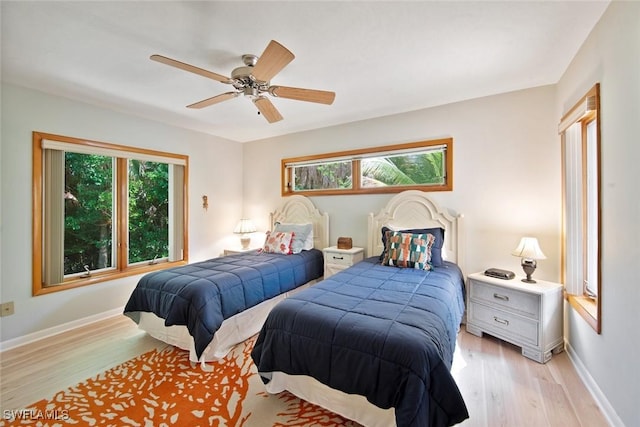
{"x":587,"y":308}
{"x":76,"y":283}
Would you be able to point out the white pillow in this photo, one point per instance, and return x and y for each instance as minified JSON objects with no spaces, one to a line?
{"x":308,"y":244}
{"x":301,"y":234}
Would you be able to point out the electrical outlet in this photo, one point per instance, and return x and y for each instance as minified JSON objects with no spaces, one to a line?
{"x":6,"y":308}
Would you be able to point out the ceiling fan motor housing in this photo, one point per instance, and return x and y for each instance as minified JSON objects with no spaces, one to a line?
{"x":244,"y":81}
{"x":241,"y":73}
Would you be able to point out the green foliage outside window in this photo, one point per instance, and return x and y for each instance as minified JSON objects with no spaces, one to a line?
{"x":88,"y":212}
{"x":335,"y":175}
{"x":148,"y":211}
{"x":413,"y":169}
{"x":398,"y":170}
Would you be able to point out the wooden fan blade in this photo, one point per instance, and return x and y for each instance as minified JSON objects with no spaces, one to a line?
{"x":190,"y":68}
{"x":274,"y":58}
{"x":213,"y":100}
{"x":309,"y":95}
{"x":267,"y":109}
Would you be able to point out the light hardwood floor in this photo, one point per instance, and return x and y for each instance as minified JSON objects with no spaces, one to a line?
{"x":503,"y":388}
{"x":499,"y":385}
{"x":38,"y":370}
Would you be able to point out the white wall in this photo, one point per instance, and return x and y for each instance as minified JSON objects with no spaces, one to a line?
{"x":611,"y":56}
{"x":24,"y":111}
{"x":506,"y":173}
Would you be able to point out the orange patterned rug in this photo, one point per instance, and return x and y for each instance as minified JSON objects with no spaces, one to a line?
{"x":163,"y":388}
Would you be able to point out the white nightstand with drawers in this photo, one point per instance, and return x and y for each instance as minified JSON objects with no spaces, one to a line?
{"x":336,"y":260}
{"x":528,"y":315}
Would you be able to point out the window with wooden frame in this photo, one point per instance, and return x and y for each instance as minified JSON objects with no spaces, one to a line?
{"x":103,"y":211}
{"x":581,"y":253}
{"x":422,"y":165}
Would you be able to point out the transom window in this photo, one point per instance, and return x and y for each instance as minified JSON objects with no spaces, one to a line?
{"x":423,"y":165}
{"x":103,"y":211}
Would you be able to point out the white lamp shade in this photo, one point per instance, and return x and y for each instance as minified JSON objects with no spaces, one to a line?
{"x":528,"y":248}
{"x":245,"y":226}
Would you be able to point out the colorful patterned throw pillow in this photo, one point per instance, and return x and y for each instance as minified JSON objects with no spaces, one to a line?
{"x":437,"y":248}
{"x":278,"y":242}
{"x":408,"y":250}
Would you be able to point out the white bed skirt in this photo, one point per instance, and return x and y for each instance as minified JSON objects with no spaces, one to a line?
{"x":351,"y":406}
{"x":233,"y":330}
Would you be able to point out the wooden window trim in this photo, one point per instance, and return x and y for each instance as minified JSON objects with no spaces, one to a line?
{"x":286,"y":175}
{"x":589,"y":308}
{"x":121,"y":270}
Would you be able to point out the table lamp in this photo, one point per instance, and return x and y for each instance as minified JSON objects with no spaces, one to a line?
{"x":244,"y":227}
{"x":529,"y":251}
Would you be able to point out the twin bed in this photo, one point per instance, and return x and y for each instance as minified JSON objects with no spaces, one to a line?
{"x":209,"y":307}
{"x":373,"y":343}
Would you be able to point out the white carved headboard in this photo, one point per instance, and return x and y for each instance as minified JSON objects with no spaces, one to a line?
{"x":413,"y":209}
{"x":300,"y":210}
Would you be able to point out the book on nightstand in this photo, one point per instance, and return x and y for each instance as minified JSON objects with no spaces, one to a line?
{"x":499,"y":273}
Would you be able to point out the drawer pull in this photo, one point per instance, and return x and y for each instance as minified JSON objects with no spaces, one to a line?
{"x":502,"y":297}
{"x":338,"y":257}
{"x":499,"y":320}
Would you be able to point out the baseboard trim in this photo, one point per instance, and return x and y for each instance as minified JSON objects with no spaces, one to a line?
{"x":55,"y":330}
{"x":602,"y":401}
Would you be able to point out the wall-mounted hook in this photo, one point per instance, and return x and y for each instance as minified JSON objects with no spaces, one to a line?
{"x":205,"y":202}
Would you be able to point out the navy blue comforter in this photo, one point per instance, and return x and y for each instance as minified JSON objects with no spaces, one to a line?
{"x":203,"y":294}
{"x":382,"y":332}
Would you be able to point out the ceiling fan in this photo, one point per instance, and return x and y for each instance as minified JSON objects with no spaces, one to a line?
{"x":253,"y":81}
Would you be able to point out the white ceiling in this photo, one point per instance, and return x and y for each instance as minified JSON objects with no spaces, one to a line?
{"x":380,"y":58}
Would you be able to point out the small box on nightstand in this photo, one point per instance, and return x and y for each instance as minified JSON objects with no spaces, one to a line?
{"x":345,"y":243}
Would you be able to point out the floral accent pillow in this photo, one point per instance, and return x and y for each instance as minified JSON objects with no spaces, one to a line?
{"x":278,"y":242}
{"x":301,"y":233}
{"x":408,"y":250}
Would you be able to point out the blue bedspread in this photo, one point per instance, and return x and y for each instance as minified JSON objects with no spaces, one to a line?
{"x":382,"y":332}
{"x":203,"y":294}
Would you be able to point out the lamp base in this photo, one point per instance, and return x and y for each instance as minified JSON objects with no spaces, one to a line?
{"x":245,"y":242}
{"x":529,"y":266}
